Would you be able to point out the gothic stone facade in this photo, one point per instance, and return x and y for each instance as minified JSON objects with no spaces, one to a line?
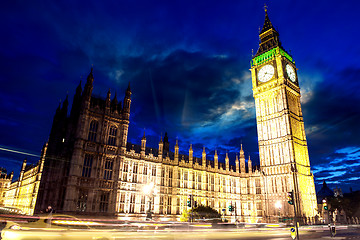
{"x":90,"y":167}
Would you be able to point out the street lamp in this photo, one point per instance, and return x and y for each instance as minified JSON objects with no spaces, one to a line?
{"x":278,"y":206}
{"x":149,"y":190}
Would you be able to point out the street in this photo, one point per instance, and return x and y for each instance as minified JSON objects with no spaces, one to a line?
{"x":81,"y":229}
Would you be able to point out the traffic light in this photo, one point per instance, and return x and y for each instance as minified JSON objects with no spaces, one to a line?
{"x":189,"y":201}
{"x":290,"y":197}
{"x":231,"y":208}
{"x":325,"y":204}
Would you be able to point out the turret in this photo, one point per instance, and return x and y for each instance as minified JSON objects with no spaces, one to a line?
{"x":64,"y":108}
{"x":58,"y":112}
{"x":237,"y":164}
{"x":249,"y":165}
{"x":242,"y":160}
{"x":216,"y":160}
{"x":43,"y":156}
{"x":76,"y":104}
{"x":204,"y":158}
{"x":22,"y":171}
{"x":143,"y":146}
{"x":114,"y":103}
{"x":127,"y":103}
{"x":108,"y":101}
{"x":88,"y":89}
{"x":191,"y":155}
{"x":227,"y":162}
{"x":176,"y":157}
{"x":161,"y":148}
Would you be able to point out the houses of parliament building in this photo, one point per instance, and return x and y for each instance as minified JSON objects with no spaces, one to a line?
{"x":88,"y":167}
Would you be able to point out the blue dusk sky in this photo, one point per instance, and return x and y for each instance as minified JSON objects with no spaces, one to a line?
{"x":188,"y":64}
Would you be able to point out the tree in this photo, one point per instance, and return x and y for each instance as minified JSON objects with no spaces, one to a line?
{"x":200,"y":213}
{"x":185,"y":216}
{"x":206,"y":213}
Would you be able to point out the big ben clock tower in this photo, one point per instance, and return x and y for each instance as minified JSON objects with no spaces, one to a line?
{"x":283,"y":150}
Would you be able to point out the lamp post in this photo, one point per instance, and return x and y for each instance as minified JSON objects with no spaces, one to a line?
{"x":278,"y":206}
{"x":266,"y":198}
{"x":148,"y":190}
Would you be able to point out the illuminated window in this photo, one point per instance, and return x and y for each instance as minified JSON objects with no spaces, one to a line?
{"x":145,"y":169}
{"x":258,"y":186}
{"x":108,"y":169}
{"x":112,"y":136}
{"x":161,"y":206}
{"x":93,"y":130}
{"x":135,"y":168}
{"x":169,"y":205}
{"x":134,"y":178}
{"x":122,"y":202}
{"x":125,"y":169}
{"x":142,"y":206}
{"x":132,"y":203}
{"x":87,"y":165}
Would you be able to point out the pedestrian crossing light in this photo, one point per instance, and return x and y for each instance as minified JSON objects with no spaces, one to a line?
{"x":290,"y":197}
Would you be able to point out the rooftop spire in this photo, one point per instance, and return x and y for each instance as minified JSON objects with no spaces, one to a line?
{"x":128,"y":91}
{"x":89,"y":86}
{"x":79,"y":89}
{"x":269,"y":37}
{"x":144,"y":138}
{"x":267,"y":24}
{"x":90,"y":76}
{"x":115,"y":101}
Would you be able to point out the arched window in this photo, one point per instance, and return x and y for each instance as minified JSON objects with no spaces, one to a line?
{"x":112,"y":136}
{"x":93,"y":130}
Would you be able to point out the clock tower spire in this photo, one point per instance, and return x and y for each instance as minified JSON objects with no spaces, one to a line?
{"x":283,"y":149}
{"x":269,"y":37}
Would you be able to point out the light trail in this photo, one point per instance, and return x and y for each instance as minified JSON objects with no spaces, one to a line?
{"x":19,"y":152}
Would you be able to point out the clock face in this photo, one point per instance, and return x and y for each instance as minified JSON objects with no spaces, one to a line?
{"x":290,"y":72}
{"x":266,"y":73}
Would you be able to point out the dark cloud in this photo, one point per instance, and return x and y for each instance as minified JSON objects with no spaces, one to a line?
{"x":334,"y":112}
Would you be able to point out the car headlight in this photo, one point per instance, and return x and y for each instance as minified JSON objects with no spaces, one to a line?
{"x":15,"y":227}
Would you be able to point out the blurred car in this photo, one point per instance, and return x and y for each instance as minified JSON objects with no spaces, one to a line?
{"x":52,"y":227}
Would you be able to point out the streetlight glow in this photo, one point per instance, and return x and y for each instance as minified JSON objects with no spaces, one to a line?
{"x":148,"y":188}
{"x":278,"y":205}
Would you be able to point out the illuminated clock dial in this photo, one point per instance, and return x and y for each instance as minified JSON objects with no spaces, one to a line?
{"x":290,"y":72}
{"x":266,"y":73}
